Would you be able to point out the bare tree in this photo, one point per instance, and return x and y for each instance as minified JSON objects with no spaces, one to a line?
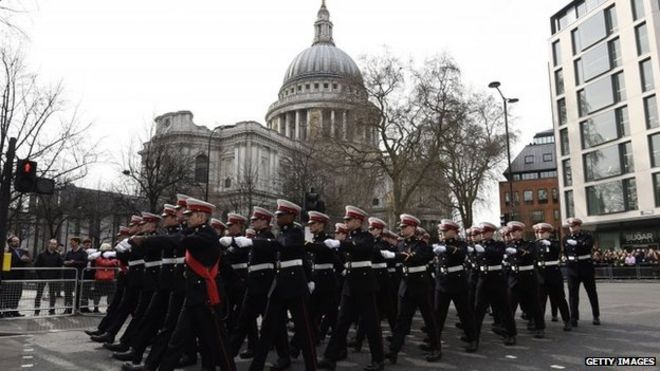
{"x":245,"y":191}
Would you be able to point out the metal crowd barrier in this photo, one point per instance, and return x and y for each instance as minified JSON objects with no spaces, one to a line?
{"x":96,"y":295}
{"x":634,"y":272}
{"x":38,"y":291}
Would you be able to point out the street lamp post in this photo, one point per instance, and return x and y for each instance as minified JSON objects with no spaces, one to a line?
{"x":208,"y":162}
{"x":506,"y":101}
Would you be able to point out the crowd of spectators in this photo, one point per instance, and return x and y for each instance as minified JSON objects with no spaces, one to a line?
{"x":631,"y":257}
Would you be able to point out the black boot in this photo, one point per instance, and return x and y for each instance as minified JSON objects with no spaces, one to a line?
{"x":375,"y":366}
{"x":119,"y":347}
{"x":186,"y":361}
{"x":129,"y":366}
{"x":567,"y":326}
{"x":574,"y":323}
{"x":392,"y":357}
{"x":434,"y":356}
{"x":103,"y":338}
{"x":247,"y":354}
{"x":425,"y":347}
{"x":554,"y":319}
{"x":510,"y":340}
{"x":326,"y":364}
{"x":472,"y":347}
{"x":281,"y":364}
{"x":93,"y":332}
{"x":540,"y":334}
{"x":596,"y":321}
{"x":128,"y":355}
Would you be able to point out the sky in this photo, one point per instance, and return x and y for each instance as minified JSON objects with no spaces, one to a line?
{"x":123,"y":62}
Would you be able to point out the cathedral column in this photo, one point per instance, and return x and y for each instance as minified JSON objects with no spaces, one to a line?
{"x":332,"y":123}
{"x":297,"y":126}
{"x":237,"y":157}
{"x":287,"y":129}
{"x":309,"y":125}
{"x":345,"y":125}
{"x":279,"y":124}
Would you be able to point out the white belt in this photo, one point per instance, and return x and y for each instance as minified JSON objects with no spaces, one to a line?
{"x":486,"y":268}
{"x":360,"y":264}
{"x":180,"y":260}
{"x":153,"y":264}
{"x":391,"y":270}
{"x":523,"y":268}
{"x":548,"y":263}
{"x":418,"y":269}
{"x":261,"y":267}
{"x":290,"y":263}
{"x":135,"y":262}
{"x":379,"y":266}
{"x":398,"y":265}
{"x":319,"y":267}
{"x":239,"y":266}
{"x":455,"y":268}
{"x":584,"y":257}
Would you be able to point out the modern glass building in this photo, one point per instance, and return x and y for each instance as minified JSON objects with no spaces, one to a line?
{"x":603,"y":67}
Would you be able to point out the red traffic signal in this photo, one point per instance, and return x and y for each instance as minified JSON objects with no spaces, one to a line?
{"x":26,"y":176}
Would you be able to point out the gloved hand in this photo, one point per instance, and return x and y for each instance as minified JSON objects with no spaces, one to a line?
{"x":571,"y":242}
{"x":109,"y":254}
{"x":479,"y":248}
{"x":333,"y":244}
{"x":93,"y":256}
{"x":511,"y":251}
{"x":123,"y":245}
{"x":311,"y":286}
{"x":387,"y":254}
{"x":439,"y":249}
{"x":91,"y":251}
{"x":225,"y":241}
{"x":243,"y":242}
{"x":470,"y":249}
{"x":546,"y":242}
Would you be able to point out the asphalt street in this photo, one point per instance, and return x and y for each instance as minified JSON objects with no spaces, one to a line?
{"x":630,"y":313}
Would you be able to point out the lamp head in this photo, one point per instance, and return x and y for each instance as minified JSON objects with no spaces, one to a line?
{"x":494,"y":85}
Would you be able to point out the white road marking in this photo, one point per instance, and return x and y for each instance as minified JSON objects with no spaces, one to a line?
{"x":27,"y":365}
{"x":510,"y":356}
{"x":28,"y":350}
{"x":27,"y":357}
{"x":558,"y":367}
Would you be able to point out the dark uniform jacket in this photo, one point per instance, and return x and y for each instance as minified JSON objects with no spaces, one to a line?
{"x":585,"y":244}
{"x":235,"y":278}
{"x":259,"y":282}
{"x":358,"y":247}
{"x":453,"y":257}
{"x":203,"y":244}
{"x":153,"y":250}
{"x":419,"y":255}
{"x":290,"y":282}
{"x":325,"y":280}
{"x":492,"y":255}
{"x":548,"y":274}
{"x":524,"y":257}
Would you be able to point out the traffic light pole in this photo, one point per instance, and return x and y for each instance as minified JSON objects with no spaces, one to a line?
{"x":5,"y":192}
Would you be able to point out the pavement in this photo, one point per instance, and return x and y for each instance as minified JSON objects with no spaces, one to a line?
{"x":629,"y":316}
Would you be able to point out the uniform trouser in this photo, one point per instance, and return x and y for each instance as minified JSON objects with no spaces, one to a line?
{"x":138,"y":314}
{"x":584,"y":275}
{"x":205,"y":323}
{"x":386,"y":310}
{"x":357,"y":305}
{"x":473,"y":278}
{"x":236,"y":297}
{"x":152,"y":321}
{"x":53,"y":288}
{"x":253,"y":306}
{"x":408,"y":305}
{"x":492,"y":290}
{"x":127,"y":306}
{"x":159,"y":344}
{"x":111,"y":312}
{"x":323,"y":306}
{"x":329,"y":319}
{"x":272,"y":327}
{"x":525,"y":292}
{"x":554,"y":291}
{"x":463,"y":308}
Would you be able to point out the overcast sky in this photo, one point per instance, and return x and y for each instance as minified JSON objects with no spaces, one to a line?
{"x":125,"y":62}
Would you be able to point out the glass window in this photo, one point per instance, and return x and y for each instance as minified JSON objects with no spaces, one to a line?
{"x":542,"y":195}
{"x":601,"y":93}
{"x":651,"y":112}
{"x":595,"y":62}
{"x":538,"y":216}
{"x":614,"y":47}
{"x":529,"y":159}
{"x":646,"y":74}
{"x":579,"y":72}
{"x":654,"y":146}
{"x":561,"y":111}
{"x":590,"y":32}
{"x":568,"y":173}
{"x":608,"y":161}
{"x":613,"y":197}
{"x":528,"y":196}
{"x":555,"y":195}
{"x":619,"y":87}
{"x":548,"y":174}
{"x":547,"y":157}
{"x":570,"y":206}
{"x":559,"y":82}
{"x":530,"y":176}
{"x":507,"y":197}
{"x":610,"y":19}
{"x":637,"y":9}
{"x":604,"y":127}
{"x":516,"y":177}
{"x":556,"y":53}
{"x":656,"y":188}
{"x":642,"y":39}
{"x":556,"y":214}
{"x":201,"y":168}
{"x":563,"y":137}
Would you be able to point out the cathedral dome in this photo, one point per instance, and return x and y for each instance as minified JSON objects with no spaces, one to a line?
{"x":322,"y":60}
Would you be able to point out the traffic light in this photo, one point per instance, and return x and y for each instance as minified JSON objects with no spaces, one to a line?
{"x":26,"y":176}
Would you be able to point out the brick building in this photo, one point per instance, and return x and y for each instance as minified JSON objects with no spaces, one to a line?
{"x":535,"y":185}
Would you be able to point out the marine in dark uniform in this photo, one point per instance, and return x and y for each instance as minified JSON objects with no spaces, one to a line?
{"x":578,"y":246}
{"x":202,"y":314}
{"x":415,"y":290}
{"x":358,"y":298}
{"x":451,"y":284}
{"x":492,"y":284}
{"x":523,"y":279}
{"x":551,"y":280}
{"x":290,"y":289}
